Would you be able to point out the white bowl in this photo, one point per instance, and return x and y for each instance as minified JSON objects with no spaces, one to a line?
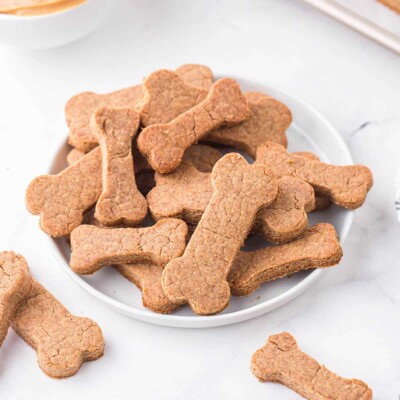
{"x":310,"y":131}
{"x":53,"y":30}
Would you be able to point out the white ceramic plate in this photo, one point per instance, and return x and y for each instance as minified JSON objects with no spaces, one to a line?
{"x":309,"y":131}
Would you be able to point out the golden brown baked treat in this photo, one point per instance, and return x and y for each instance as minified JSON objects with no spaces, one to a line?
{"x":62,"y":341}
{"x":164,"y":144}
{"x":346,"y":186}
{"x":240,"y":190}
{"x":202,"y":157}
{"x":62,"y":199}
{"x":318,"y":247}
{"x":120,"y":200}
{"x":268,"y":121}
{"x":79,"y":108}
{"x":196,"y":75}
{"x":14,"y":287}
{"x":147,"y":277}
{"x":281,"y":360}
{"x":186,"y":192}
{"x":93,"y":247}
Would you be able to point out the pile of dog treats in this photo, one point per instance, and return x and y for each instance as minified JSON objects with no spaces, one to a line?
{"x":135,"y":152}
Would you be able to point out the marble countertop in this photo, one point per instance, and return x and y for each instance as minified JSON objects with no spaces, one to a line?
{"x":349,"y":320}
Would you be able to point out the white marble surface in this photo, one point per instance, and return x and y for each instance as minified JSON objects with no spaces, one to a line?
{"x":350,"y":319}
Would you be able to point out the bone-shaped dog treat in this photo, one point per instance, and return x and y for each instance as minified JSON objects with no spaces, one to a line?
{"x":147,"y":277}
{"x":164,"y":144}
{"x":62,"y":341}
{"x":94,"y":247}
{"x":286,"y":218}
{"x":318,"y":247}
{"x":79,"y":108}
{"x":202,"y":157}
{"x":196,"y":75}
{"x":14,"y":287}
{"x":120,"y":200}
{"x":346,"y":186}
{"x":167,"y":95}
{"x":321,"y":201}
{"x":281,"y":360}
{"x":199,"y":276}
{"x":186,"y":192}
{"x":268,"y":121}
{"x":62,"y":199}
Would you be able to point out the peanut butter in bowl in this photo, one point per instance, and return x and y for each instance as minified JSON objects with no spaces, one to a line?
{"x":31,"y":8}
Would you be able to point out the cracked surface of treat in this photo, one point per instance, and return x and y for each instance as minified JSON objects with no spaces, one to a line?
{"x":120,"y":200}
{"x":14,"y":287}
{"x":346,"y":186}
{"x":62,"y":341}
{"x":202,"y":157}
{"x":197,"y":75}
{"x":61,"y":199}
{"x":282,"y":361}
{"x":199,"y":276}
{"x":167,"y":95}
{"x":147,"y":277}
{"x":318,"y":247}
{"x":164,"y":144}
{"x":268,"y":121}
{"x":80,"y":108}
{"x":93,"y":247}
{"x":186,"y":192}
{"x":286,"y":218}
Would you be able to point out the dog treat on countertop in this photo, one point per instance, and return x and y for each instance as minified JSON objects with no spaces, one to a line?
{"x":147,"y":277}
{"x":14,"y":287}
{"x":282,"y":361}
{"x":62,"y":341}
{"x":79,"y":108}
{"x":120,"y":200}
{"x":318,"y":247}
{"x":93,"y":247}
{"x":240,"y":190}
{"x":164,"y":144}
{"x":186,"y":192}
{"x":62,"y":199}
{"x":346,"y":186}
{"x":268,"y":121}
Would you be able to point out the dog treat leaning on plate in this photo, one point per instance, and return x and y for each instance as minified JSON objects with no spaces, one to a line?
{"x":80,"y":108}
{"x":62,"y":199}
{"x":14,"y":287}
{"x":318,"y":247}
{"x":120,"y":200}
{"x":147,"y":277}
{"x":240,"y":190}
{"x":164,"y":144}
{"x":281,"y":360}
{"x":93,"y":247}
{"x":346,"y":186}
{"x":186,"y":192}
{"x":268,"y":121}
{"x":62,"y":341}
